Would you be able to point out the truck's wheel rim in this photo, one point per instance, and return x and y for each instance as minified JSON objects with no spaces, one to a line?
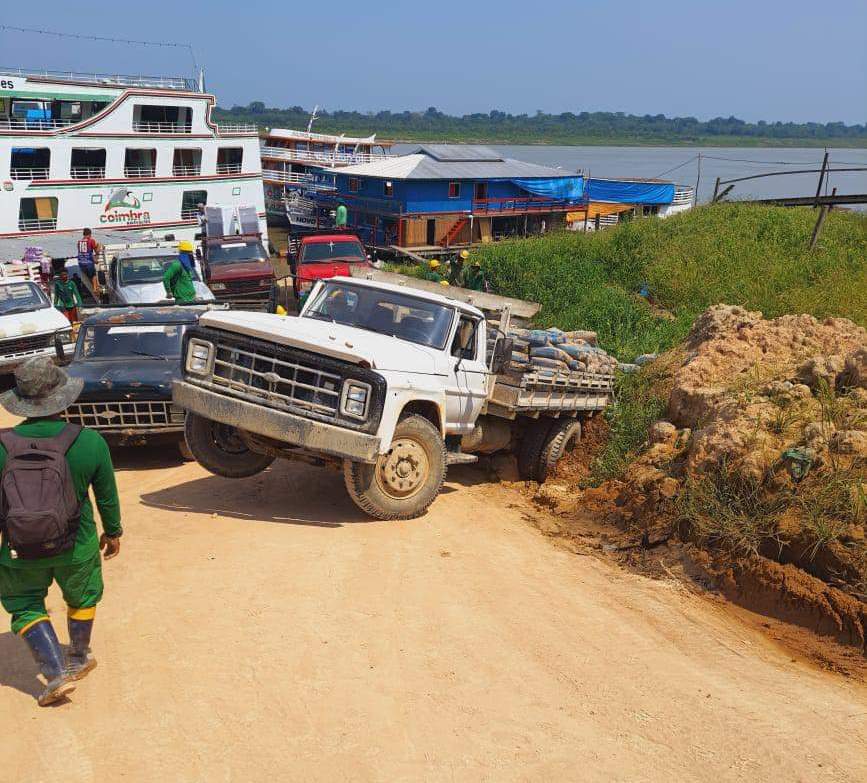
{"x":402,"y":472}
{"x":227,"y":439}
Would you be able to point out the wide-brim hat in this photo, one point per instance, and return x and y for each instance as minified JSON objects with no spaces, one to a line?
{"x":41,"y":389}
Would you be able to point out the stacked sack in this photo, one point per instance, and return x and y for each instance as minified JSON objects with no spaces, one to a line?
{"x":553,"y":351}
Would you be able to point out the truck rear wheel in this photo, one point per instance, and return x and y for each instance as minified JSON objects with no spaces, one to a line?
{"x":561,"y":438}
{"x":403,"y":482}
{"x":220,"y":449}
{"x":530,"y":450}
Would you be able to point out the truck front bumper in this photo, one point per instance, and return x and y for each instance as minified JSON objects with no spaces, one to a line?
{"x":285,"y":427}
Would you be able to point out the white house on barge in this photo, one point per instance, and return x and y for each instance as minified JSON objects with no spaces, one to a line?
{"x":117,"y":152}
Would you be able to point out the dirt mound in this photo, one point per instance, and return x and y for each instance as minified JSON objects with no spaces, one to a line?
{"x":762,"y":465}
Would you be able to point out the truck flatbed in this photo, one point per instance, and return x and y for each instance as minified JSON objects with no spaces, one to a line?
{"x":533,"y":392}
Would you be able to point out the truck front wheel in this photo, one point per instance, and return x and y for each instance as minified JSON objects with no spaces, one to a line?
{"x":403,"y":482}
{"x":220,"y":449}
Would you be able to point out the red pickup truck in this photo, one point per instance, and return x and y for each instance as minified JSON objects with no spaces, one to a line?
{"x":322,"y":256}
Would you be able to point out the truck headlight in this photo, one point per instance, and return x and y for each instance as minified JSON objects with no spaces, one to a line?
{"x":65,"y":336}
{"x":200,"y":357}
{"x":355,"y":399}
{"x":218,"y":286}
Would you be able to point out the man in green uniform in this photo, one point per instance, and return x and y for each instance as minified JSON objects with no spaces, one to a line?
{"x":474,"y":278}
{"x":42,"y":390}
{"x":433,"y":273}
{"x":178,"y":277}
{"x":67,"y":299}
{"x":341,"y":215}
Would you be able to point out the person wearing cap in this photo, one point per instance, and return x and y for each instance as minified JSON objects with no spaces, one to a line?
{"x":42,"y":391}
{"x":474,"y":278}
{"x":66,"y":296}
{"x":178,"y":277}
{"x":432,"y":272}
{"x":456,"y":268}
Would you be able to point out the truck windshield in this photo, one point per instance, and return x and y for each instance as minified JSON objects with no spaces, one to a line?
{"x":141,"y":271}
{"x":386,"y":312}
{"x":319,"y":252}
{"x":131,"y":341}
{"x":235,"y":252}
{"x":22,"y":298}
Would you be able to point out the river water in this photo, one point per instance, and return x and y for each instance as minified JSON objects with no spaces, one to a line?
{"x":680,"y":165}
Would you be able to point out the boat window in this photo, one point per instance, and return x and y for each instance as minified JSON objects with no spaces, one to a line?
{"x":22,"y":298}
{"x":30,"y":162}
{"x":388,"y":189}
{"x":235,"y":252}
{"x":190,"y":203}
{"x":187,"y":163}
{"x":354,"y":184}
{"x":333,"y":251}
{"x":454,"y":189}
{"x":162,"y":119}
{"x":87,"y":164}
{"x":37,"y":214}
{"x":385,"y":312}
{"x":131,"y":341}
{"x":140,"y":162}
{"x":142,"y":271}
{"x":230,"y":160}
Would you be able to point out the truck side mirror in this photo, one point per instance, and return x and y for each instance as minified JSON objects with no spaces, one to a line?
{"x":502,"y":355}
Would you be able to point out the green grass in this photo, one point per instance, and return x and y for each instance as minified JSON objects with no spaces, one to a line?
{"x":752,"y":256}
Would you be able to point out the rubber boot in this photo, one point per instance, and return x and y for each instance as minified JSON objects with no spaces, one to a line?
{"x":48,"y":654}
{"x":79,"y":661}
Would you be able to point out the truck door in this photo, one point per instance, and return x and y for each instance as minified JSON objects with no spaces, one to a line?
{"x":467,"y":387}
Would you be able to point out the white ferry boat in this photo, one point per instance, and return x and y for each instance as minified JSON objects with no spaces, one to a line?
{"x":117,"y":152}
{"x":296,"y":163}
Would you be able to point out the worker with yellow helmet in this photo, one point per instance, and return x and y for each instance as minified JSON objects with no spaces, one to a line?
{"x":433,"y":274}
{"x":179,"y":275}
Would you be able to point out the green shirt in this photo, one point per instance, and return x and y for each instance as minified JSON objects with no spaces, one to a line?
{"x":90,"y":464}
{"x":474,"y":279}
{"x":178,"y":283}
{"x":341,"y":216}
{"x":433,"y":276}
{"x":66,"y":295}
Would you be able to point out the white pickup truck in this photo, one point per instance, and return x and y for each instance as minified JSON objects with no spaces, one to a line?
{"x":393,"y":384}
{"x":29,"y":325}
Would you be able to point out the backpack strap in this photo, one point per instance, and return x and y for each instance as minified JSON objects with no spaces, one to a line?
{"x":66,"y":437}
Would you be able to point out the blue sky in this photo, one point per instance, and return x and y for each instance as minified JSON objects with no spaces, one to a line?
{"x":755,"y":59}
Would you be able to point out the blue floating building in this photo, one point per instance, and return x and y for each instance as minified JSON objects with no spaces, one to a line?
{"x":442,"y":195}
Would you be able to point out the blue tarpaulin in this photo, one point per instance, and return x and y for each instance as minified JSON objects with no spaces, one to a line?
{"x":622,"y":192}
{"x":561,"y":188}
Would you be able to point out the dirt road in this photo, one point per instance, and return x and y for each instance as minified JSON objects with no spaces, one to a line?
{"x":265,"y":630}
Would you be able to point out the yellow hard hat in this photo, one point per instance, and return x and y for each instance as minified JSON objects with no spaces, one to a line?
{"x":433,"y":263}
{"x":444,"y":282}
{"x":186,"y":246}
{"x":281,"y":310}
{"x":465,"y":254}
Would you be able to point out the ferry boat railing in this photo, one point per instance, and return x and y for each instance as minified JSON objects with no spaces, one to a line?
{"x":37,"y":224}
{"x":161,"y":127}
{"x":683,"y":194}
{"x":520,"y":204}
{"x":186,"y":171}
{"x":26,"y":173}
{"x":237,"y":127}
{"x":162,"y":82}
{"x":288,"y":177}
{"x":228,"y":168}
{"x":86,"y":172}
{"x":189,"y":214}
{"x":22,"y":124}
{"x":305,"y":156}
{"x":139,"y":171}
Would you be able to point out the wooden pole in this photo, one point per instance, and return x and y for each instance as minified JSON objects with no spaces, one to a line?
{"x":821,"y":178}
{"x":698,"y":178}
{"x":819,"y":222}
{"x":715,"y":191}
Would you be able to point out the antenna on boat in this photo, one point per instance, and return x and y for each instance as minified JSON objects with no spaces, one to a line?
{"x":201,"y":79}
{"x":313,"y":118}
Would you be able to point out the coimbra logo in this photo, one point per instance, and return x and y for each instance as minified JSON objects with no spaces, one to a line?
{"x":124,"y":207}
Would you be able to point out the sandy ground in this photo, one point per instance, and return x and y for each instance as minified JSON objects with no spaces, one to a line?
{"x":265,"y":630}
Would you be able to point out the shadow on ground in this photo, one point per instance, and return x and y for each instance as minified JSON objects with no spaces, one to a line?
{"x":286,"y":493}
{"x":17,"y":667}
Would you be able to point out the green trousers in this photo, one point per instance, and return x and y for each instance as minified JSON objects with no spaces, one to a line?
{"x":23,"y":591}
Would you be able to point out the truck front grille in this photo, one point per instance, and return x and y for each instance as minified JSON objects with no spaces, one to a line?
{"x":29,"y":344}
{"x":138,"y":415}
{"x":256,"y":373}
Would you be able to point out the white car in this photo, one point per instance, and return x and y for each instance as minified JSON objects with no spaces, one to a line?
{"x":135,"y":276}
{"x":29,"y":325}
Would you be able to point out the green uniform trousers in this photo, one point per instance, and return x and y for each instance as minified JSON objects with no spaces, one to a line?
{"x":23,"y":591}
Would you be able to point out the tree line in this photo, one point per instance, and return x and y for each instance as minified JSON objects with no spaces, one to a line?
{"x":600,"y":127}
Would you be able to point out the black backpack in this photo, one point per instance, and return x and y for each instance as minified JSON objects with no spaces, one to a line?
{"x":39,"y":508}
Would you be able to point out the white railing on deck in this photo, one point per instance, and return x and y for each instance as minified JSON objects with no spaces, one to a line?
{"x":236,"y":127}
{"x":186,"y":171}
{"x":161,"y":127}
{"x":290,"y":177}
{"x":683,"y":194}
{"x":85,"y":172}
{"x":21,"y":124}
{"x":27,"y":173}
{"x":188,"y":214}
{"x":326,"y":158}
{"x":107,"y":79}
{"x":139,"y":171}
{"x":228,"y":168}
{"x":35,"y":224}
